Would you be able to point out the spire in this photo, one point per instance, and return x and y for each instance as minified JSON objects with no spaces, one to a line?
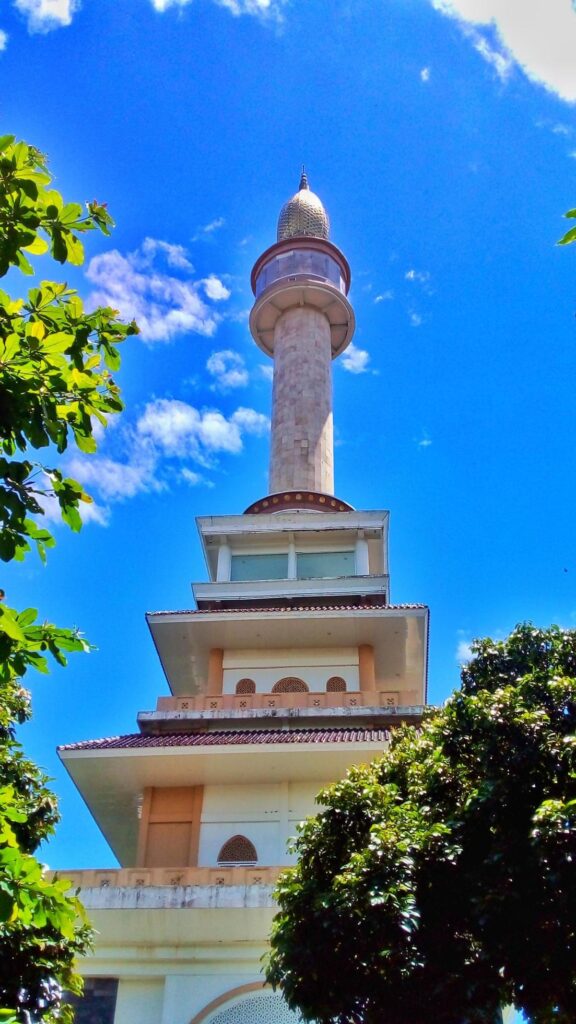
{"x":303,"y":180}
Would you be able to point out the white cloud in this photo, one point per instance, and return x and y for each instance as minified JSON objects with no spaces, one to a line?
{"x":268,"y":9}
{"x":421,"y":276}
{"x":386,"y":296}
{"x":180,"y":430}
{"x":561,"y":129}
{"x":215,"y":289}
{"x":153,"y":455}
{"x":176,"y":255}
{"x":163,"y":5}
{"x":355,"y":360}
{"x":3,"y":40}
{"x":416,"y":319}
{"x":251,"y":421}
{"x":537,"y":35}
{"x":228,"y":369}
{"x":463,"y":652}
{"x":162,"y":304}
{"x":260,"y":8}
{"x":192,"y":478}
{"x":207,"y":230}
{"x":425,"y":75}
{"x":501,"y":61}
{"x":91,"y":512}
{"x":45,"y":15}
{"x":424,"y":442}
{"x":267,"y":371}
{"x":117,"y":481}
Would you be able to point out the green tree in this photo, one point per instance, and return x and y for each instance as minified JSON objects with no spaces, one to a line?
{"x":439,"y":882}
{"x":55,"y":382}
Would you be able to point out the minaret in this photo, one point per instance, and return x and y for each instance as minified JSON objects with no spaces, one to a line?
{"x":292,"y":666}
{"x":303,"y":320}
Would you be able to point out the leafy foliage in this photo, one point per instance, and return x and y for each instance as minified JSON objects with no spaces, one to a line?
{"x":56,"y":365}
{"x":438,"y":882}
{"x":570,"y":235}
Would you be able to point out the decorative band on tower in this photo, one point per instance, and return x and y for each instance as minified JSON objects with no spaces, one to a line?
{"x":303,"y":320}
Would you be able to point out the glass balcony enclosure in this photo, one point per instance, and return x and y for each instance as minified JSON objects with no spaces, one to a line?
{"x":258,"y":567}
{"x":310,"y":565}
{"x":306,"y":262}
{"x":316,"y":565}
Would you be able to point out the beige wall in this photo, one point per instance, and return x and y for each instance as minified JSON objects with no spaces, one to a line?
{"x":170,"y":826}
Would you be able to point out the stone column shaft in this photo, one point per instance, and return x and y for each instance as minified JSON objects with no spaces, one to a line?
{"x":302,"y":449}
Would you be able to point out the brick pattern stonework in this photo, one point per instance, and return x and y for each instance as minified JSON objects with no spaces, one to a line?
{"x":302,"y":449}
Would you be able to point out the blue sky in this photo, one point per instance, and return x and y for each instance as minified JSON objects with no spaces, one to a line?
{"x":441,"y":136}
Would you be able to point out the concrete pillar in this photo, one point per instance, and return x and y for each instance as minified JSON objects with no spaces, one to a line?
{"x":366,"y":668}
{"x":215,"y":672}
{"x":224,"y":566}
{"x":302,"y":447}
{"x":292,"y":564}
{"x":361,"y":558}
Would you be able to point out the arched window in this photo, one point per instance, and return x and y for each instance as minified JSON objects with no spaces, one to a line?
{"x":269,"y":1007}
{"x":336,"y":685}
{"x":290,"y":684}
{"x":237,"y":850}
{"x":245,"y":686}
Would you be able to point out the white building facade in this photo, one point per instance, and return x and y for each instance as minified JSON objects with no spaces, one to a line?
{"x":292,"y":666}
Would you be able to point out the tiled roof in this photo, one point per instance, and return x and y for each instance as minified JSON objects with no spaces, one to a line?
{"x":246,"y":607}
{"x":240,"y":737}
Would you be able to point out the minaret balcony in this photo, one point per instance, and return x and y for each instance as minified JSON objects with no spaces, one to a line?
{"x":212,"y":594}
{"x":301,"y":272}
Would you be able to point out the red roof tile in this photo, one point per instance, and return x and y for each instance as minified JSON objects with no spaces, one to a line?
{"x":240,"y":737}
{"x":294,"y":608}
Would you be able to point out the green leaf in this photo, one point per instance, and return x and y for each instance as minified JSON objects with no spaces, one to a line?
{"x":9,"y":625}
{"x":38,"y":247}
{"x":74,"y":250}
{"x":27,"y":617}
{"x":71,"y":515}
{"x":86,"y":442}
{"x":569,"y":237}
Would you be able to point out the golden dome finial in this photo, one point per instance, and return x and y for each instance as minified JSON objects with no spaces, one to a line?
{"x":303,"y":215}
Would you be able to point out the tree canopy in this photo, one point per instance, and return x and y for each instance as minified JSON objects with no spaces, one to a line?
{"x":438,"y":883}
{"x":56,"y":364}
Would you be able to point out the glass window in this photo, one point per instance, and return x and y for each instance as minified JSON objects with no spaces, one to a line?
{"x":97,"y":1004}
{"x":259,"y":567}
{"x":320,"y":564}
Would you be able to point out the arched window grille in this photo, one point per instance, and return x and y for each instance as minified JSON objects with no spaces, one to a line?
{"x":290,"y":684}
{"x":245,"y":686}
{"x":238,"y":850}
{"x":336,"y":684}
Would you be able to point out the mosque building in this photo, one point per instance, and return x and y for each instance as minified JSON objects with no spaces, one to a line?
{"x":292,"y":666}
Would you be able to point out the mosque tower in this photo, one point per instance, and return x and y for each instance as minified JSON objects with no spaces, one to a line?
{"x":292,"y":666}
{"x":302,"y":318}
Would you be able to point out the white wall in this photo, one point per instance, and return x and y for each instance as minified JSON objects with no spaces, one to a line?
{"x":314,"y":666}
{"x":139,"y":1001}
{"x":266,"y":814}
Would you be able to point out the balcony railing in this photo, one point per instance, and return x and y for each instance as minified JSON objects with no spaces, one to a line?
{"x":387,"y":699}
{"x":340,"y":586}
{"x":135,"y":878}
